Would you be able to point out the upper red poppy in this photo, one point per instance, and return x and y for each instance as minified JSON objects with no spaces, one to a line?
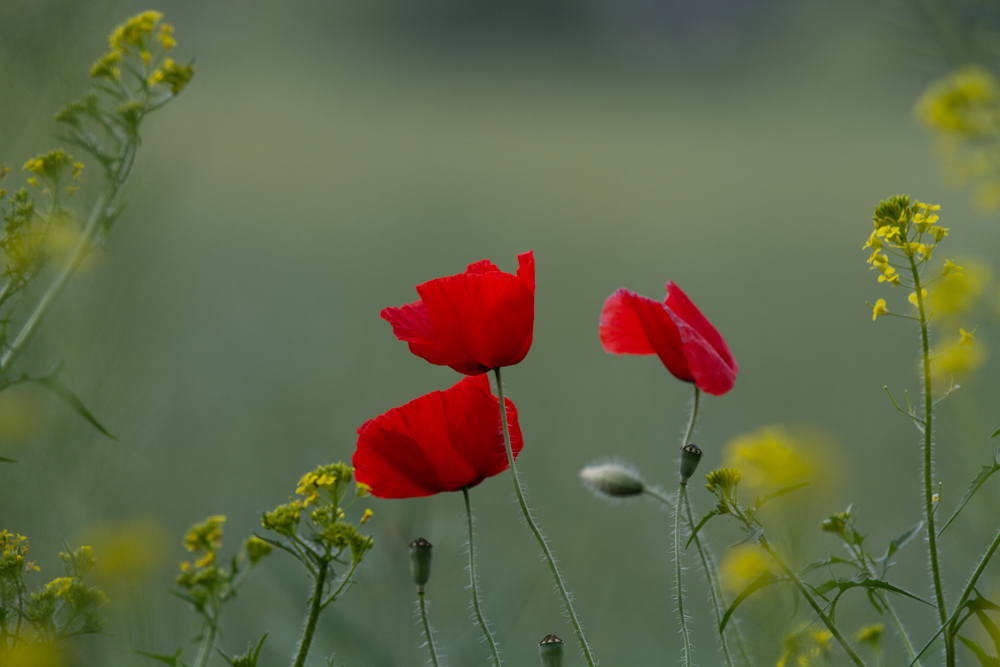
{"x":676,"y":331}
{"x":441,"y":441}
{"x":473,"y":322}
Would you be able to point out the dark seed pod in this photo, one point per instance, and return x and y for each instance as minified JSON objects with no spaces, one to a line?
{"x":550,"y":651}
{"x":420,"y":561}
{"x":690,"y":458}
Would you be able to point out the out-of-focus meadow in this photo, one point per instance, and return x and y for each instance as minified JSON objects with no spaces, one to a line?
{"x":328,"y":157}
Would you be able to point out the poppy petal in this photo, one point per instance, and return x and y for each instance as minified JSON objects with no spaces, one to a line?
{"x":412,"y":324}
{"x":712,"y":374}
{"x":631,"y":321}
{"x":679,"y":303}
{"x":439,"y":442}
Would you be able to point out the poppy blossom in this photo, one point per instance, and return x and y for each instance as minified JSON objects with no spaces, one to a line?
{"x":441,"y":441}
{"x":473,"y":322}
{"x":676,"y":331}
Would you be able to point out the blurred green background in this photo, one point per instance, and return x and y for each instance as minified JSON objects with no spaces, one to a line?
{"x":328,"y":157}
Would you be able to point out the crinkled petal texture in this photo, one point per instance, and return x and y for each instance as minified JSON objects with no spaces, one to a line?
{"x":473,"y":322}
{"x":441,"y":441}
{"x":676,"y":331}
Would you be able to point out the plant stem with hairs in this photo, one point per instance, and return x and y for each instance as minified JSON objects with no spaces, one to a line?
{"x":475,"y":585}
{"x":427,"y":627}
{"x":560,"y":584}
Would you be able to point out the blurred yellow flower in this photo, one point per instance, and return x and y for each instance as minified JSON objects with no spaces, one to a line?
{"x":961,"y":289}
{"x":35,"y":654}
{"x":962,"y":103}
{"x":913,"y":296}
{"x":741,"y":567}
{"x":129,"y":550}
{"x":21,"y":414}
{"x":774,"y":456}
{"x":963,"y":359}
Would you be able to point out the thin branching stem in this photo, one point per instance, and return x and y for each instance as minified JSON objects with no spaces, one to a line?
{"x":315,"y":607}
{"x":475,"y":586}
{"x":560,"y":584}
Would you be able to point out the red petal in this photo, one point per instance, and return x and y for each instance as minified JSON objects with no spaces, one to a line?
{"x":412,"y":324}
{"x":482,"y":266}
{"x":679,"y":303}
{"x":635,"y":324}
{"x":441,"y":441}
{"x":486,"y":315}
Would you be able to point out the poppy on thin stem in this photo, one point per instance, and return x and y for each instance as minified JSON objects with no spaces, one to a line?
{"x":472,"y":322}
{"x":447,"y":440}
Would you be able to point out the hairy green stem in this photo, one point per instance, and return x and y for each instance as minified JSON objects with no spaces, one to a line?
{"x":949,"y":642}
{"x":901,"y":632}
{"x":560,"y":584}
{"x":475,"y":586}
{"x":427,"y":627}
{"x":315,"y":606}
{"x":685,"y":633}
{"x":708,"y":568}
{"x":694,"y":417}
{"x":851,"y":653}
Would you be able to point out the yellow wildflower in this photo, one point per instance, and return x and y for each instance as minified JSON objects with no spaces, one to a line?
{"x":959,"y":360}
{"x":134,"y":32}
{"x":741,"y":567}
{"x":961,"y":289}
{"x":965,"y":337}
{"x":166,"y":36}
{"x":913,"y":296}
{"x":962,"y":103}
{"x":879,"y":309}
{"x":366,"y":517}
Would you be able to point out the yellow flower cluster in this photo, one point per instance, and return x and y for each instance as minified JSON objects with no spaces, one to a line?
{"x":50,"y":167}
{"x":135,"y":37}
{"x":723,"y":481}
{"x":205,"y":536}
{"x":806,"y":648}
{"x":901,"y":229}
{"x":174,"y":75}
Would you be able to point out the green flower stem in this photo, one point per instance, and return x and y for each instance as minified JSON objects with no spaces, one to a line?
{"x":685,"y":633}
{"x":949,"y":641}
{"x":205,"y":650}
{"x":709,"y":570}
{"x":315,"y":606}
{"x":694,"y":417}
{"x":851,"y":653}
{"x":427,"y":627}
{"x":475,"y":586}
{"x":560,"y":584}
{"x":904,"y":637}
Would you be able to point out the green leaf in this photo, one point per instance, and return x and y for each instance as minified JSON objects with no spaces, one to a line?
{"x":995,"y":433}
{"x":752,"y":536}
{"x":832,"y":560}
{"x":904,"y":538}
{"x":991,"y":628}
{"x":6,"y":460}
{"x":870,"y":583}
{"x":65,"y":393}
{"x":985,"y":659}
{"x":169,"y":659}
{"x":762,"y":581}
{"x":701,"y":523}
{"x":777,"y":494}
{"x":984,"y":474}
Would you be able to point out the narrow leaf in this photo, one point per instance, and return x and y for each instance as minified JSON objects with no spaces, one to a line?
{"x":169,"y":659}
{"x":824,"y":562}
{"x":762,"y":581}
{"x":985,"y":659}
{"x":752,"y":536}
{"x":701,"y":523}
{"x":6,"y":460}
{"x":884,"y":585}
{"x":65,"y":393}
{"x":779,"y":493}
{"x":991,"y":629}
{"x":995,"y":433}
{"x":984,"y":474}
{"x":905,"y":538}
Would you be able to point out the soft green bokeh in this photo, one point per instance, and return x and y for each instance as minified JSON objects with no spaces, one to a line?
{"x":326,"y":159}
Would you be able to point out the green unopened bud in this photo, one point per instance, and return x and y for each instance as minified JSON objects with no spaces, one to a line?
{"x":420,"y":561}
{"x":690,"y":458}
{"x":550,"y":651}
{"x":612,"y":479}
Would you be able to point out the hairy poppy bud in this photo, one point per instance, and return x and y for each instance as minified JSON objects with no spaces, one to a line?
{"x":690,"y":458}
{"x":420,"y":561}
{"x":612,"y":479}
{"x":550,"y":651}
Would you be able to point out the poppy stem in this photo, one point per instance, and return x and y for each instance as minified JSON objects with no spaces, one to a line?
{"x":475,"y":586}
{"x":427,"y":626}
{"x":685,"y":633}
{"x":694,"y":417}
{"x":560,"y":584}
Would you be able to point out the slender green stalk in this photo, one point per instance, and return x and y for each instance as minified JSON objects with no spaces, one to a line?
{"x":315,"y":606}
{"x":904,"y":636}
{"x":851,"y":653}
{"x":560,"y":584}
{"x":205,"y":650}
{"x":475,"y":586}
{"x":427,"y":627}
{"x":949,"y":642}
{"x":694,"y":417}
{"x":708,"y":569}
{"x":949,"y":623}
{"x":685,"y":633}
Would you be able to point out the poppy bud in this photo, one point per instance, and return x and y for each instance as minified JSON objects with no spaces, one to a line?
{"x":550,"y":651}
{"x":420,"y":561}
{"x":690,"y":458}
{"x":612,"y":479}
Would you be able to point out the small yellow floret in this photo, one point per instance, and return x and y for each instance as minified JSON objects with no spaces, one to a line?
{"x":879,"y":309}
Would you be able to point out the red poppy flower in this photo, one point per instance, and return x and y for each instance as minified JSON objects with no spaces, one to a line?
{"x":676,"y":331}
{"x":441,"y":441}
{"x":473,"y":322}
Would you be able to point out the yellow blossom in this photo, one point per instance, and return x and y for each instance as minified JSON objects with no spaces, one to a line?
{"x":741,"y":567}
{"x":965,"y":337}
{"x":134,"y":32}
{"x":913,"y":296}
{"x":962,"y":103}
{"x":366,"y":517}
{"x":959,"y":360}
{"x":879,"y":309}
{"x":961,"y":289}
{"x":870,"y":634}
